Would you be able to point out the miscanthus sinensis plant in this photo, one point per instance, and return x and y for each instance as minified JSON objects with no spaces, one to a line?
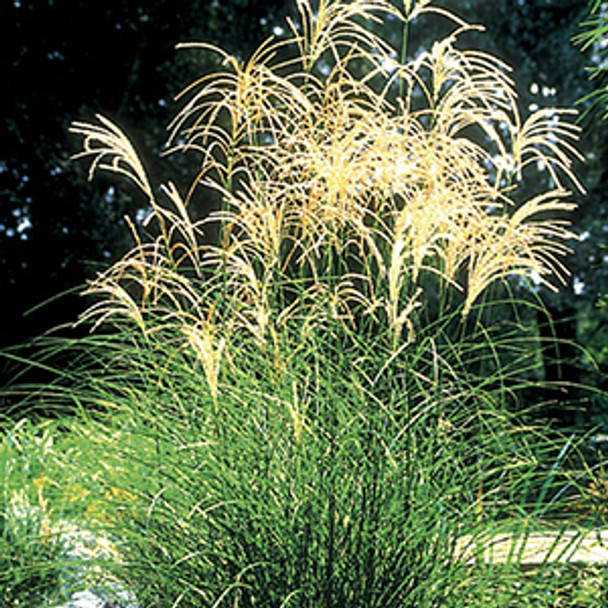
{"x":338,"y":197}
{"x":299,"y":429}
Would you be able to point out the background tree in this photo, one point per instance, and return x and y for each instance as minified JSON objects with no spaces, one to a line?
{"x":62,"y":61}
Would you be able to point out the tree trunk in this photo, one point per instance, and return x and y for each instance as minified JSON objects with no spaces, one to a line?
{"x":561,"y":392}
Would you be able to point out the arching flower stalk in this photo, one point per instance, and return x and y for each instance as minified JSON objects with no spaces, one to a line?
{"x":339,"y":195}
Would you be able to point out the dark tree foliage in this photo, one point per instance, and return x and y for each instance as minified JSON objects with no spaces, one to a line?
{"x":62,"y":60}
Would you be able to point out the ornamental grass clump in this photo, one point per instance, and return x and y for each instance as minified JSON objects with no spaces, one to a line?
{"x":311,"y":408}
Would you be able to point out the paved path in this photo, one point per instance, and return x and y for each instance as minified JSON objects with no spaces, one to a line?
{"x":537,"y":548}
